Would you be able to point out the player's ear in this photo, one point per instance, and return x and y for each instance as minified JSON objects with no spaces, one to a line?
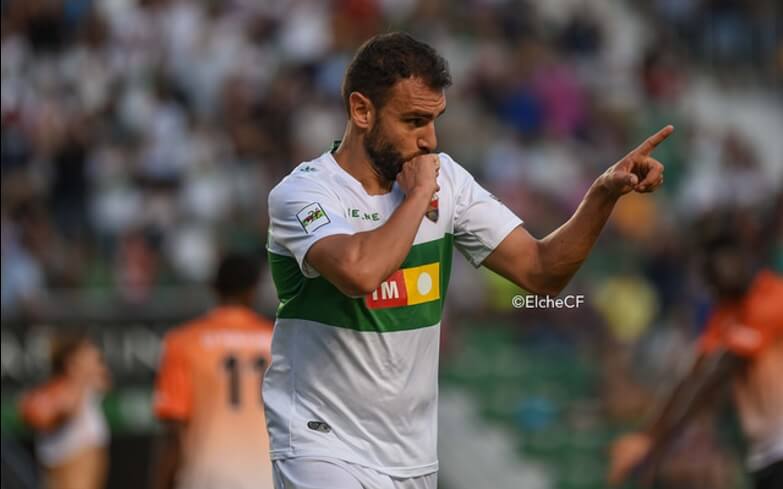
{"x":362,"y":110}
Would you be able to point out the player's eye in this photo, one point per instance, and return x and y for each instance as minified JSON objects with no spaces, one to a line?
{"x":417,"y":121}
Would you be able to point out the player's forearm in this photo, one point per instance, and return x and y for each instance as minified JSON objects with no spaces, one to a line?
{"x":376,"y":254}
{"x":692,"y":396}
{"x":563,"y":251}
{"x":672,"y":413}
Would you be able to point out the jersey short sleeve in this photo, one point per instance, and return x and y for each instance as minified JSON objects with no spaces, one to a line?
{"x":302,"y":211}
{"x":481,"y":221}
{"x":173,"y":386}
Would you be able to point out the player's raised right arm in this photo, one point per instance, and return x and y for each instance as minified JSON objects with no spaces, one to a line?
{"x":357,"y":264}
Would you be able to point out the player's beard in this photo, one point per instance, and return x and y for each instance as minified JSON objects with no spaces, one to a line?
{"x":384,"y":157}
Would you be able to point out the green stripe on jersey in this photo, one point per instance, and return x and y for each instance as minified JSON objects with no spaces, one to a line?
{"x":316,"y":299}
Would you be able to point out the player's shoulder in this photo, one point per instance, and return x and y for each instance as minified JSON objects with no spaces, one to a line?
{"x":769,"y":281}
{"x":254,"y":322}
{"x":44,"y":390}
{"x":455,"y":172}
{"x":228,"y":318}
{"x":262,"y":323}
{"x":764,"y":299}
{"x":316,"y":175}
{"x":184,"y":334}
{"x":451,"y":166}
{"x":766,"y":291}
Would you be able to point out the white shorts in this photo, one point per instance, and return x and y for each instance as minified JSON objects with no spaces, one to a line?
{"x":321,"y":473}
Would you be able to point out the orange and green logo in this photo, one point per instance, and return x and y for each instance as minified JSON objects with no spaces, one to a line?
{"x":407,"y":287}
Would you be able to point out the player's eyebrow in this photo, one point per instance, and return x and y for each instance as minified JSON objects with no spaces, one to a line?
{"x":426,"y":115}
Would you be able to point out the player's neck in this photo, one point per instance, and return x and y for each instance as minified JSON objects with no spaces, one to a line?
{"x":352,"y":157}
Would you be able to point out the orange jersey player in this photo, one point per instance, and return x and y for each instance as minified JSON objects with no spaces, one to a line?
{"x":208,"y":392}
{"x":742,"y":345}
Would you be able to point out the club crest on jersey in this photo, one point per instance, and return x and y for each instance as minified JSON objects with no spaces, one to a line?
{"x":312,"y":217}
{"x":407,"y":287}
{"x":432,"y":210}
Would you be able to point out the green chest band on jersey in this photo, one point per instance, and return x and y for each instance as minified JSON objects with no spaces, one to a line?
{"x":411,"y":298}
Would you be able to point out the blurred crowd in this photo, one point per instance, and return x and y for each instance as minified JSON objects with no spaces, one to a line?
{"x":139,"y":138}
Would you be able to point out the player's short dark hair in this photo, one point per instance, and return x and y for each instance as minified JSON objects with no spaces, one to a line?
{"x":236,"y":274}
{"x":385,"y":59}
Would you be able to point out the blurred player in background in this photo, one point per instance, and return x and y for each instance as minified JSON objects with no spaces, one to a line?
{"x":65,"y":412}
{"x":360,"y":246}
{"x":208,"y":391}
{"x":742,"y":345}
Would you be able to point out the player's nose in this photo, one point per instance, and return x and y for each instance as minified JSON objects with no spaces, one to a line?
{"x":427,"y":140}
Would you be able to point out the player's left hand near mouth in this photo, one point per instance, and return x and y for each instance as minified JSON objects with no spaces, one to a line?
{"x":637,"y":171}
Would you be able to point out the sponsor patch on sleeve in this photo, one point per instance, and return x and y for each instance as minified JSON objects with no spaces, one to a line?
{"x":312,"y":217}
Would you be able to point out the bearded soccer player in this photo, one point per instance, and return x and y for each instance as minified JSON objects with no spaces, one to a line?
{"x":360,"y":246}
{"x":208,"y":391}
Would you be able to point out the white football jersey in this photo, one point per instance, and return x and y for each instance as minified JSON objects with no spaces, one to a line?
{"x":356,"y":378}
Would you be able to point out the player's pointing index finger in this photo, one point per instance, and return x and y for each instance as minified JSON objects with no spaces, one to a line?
{"x":653,"y":141}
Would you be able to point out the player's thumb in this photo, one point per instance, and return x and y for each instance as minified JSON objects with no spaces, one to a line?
{"x":624,"y":181}
{"x":628,"y":179}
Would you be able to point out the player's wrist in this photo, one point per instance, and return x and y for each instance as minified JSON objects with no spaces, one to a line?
{"x":604,"y":188}
{"x":421,"y":194}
